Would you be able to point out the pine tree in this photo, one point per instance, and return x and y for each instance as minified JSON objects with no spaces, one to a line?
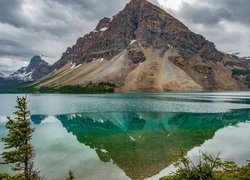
{"x":19,"y":151}
{"x":70,"y":175}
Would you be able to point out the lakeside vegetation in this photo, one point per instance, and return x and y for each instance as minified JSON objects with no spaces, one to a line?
{"x":207,"y":168}
{"x":90,"y":88}
{"x":242,"y":72}
{"x":18,"y":150}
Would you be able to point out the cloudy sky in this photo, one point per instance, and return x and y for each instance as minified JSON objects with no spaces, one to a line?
{"x":48,"y":27}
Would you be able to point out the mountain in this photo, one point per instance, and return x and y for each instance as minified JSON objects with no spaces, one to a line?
{"x":2,"y":75}
{"x":36,"y":69}
{"x":143,"y":48}
{"x":247,"y":58}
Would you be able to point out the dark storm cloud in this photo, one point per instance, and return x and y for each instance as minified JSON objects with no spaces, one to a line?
{"x":240,"y":9}
{"x":94,"y":9}
{"x":214,"y":11}
{"x":9,"y":10}
{"x":204,"y":15}
{"x":29,"y":27}
{"x":13,"y":48}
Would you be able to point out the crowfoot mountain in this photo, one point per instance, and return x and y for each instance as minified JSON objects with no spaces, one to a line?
{"x":36,"y":69}
{"x":145,"y":49}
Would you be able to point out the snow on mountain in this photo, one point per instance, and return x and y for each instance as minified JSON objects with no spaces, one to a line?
{"x":2,"y":75}
{"x":234,"y":53}
{"x":36,"y":69}
{"x":22,"y":74}
{"x":247,"y":58}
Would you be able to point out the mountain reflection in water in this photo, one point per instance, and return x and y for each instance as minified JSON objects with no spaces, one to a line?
{"x":140,"y":143}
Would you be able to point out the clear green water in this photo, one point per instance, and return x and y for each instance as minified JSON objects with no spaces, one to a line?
{"x":129,"y":136}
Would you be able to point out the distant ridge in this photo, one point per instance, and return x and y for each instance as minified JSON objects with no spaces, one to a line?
{"x":36,"y":69}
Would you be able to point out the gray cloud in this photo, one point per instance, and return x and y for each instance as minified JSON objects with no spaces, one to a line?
{"x":214,"y":11}
{"x":203,"y":14}
{"x":48,"y":27}
{"x":9,"y":11}
{"x":224,"y":22}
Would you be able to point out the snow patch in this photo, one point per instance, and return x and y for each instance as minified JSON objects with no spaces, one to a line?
{"x":79,"y":65}
{"x":246,"y":58}
{"x":98,"y":120}
{"x":103,"y":150}
{"x":71,"y":116}
{"x":132,"y":139}
{"x":2,"y":74}
{"x":73,"y":66}
{"x":132,"y":42}
{"x":103,"y":29}
{"x":170,"y":46}
{"x":23,"y":76}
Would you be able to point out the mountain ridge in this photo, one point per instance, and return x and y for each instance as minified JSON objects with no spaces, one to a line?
{"x":143,"y":48}
{"x":36,"y":69}
{"x":2,"y":74}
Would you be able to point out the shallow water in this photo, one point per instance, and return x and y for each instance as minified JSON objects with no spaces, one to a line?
{"x":130,"y":136}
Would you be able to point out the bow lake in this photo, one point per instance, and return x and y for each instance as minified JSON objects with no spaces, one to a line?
{"x":130,"y":136}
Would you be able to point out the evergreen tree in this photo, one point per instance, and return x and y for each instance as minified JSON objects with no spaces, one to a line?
{"x":70,"y":175}
{"x":19,"y":151}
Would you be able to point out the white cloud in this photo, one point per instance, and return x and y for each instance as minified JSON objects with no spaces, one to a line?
{"x":9,"y":64}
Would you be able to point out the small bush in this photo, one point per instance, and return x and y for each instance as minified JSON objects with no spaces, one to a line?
{"x":208,"y":168}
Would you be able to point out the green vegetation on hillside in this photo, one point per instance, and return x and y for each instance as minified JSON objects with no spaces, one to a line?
{"x":243,"y":72}
{"x":90,"y":88}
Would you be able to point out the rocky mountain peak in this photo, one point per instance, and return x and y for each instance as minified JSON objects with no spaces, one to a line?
{"x":2,"y":74}
{"x":36,"y":69}
{"x":137,"y":4}
{"x":103,"y":23}
{"x":36,"y":61}
{"x":140,"y":20}
{"x":146,"y":49}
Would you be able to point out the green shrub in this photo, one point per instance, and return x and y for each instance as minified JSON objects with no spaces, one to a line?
{"x":90,"y":88}
{"x":240,"y":72}
{"x":208,"y":168}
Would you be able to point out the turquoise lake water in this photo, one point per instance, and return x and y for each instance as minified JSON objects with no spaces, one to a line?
{"x":130,"y":136}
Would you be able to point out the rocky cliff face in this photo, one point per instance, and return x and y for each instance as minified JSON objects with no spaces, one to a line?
{"x":143,"y":48}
